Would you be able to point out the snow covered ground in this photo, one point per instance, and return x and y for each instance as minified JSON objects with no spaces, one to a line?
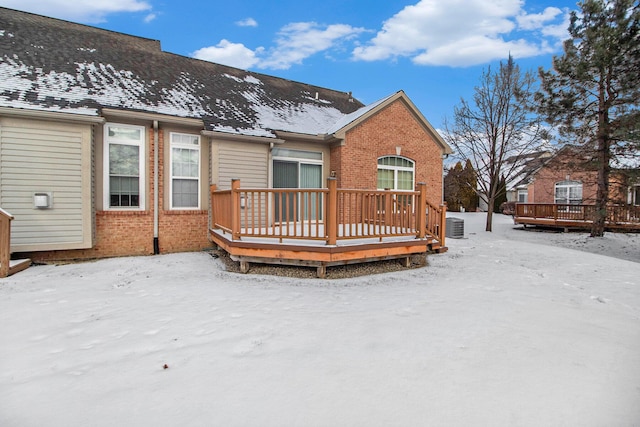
{"x":510,"y":328}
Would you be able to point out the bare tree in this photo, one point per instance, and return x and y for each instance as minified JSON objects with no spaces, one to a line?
{"x":498,"y":125}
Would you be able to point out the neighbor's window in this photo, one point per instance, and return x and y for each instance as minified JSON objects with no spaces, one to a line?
{"x":396,"y":173}
{"x":635,"y":195}
{"x":568,"y":192}
{"x":185,"y":171}
{"x":523,"y":196}
{"x":124,"y":166}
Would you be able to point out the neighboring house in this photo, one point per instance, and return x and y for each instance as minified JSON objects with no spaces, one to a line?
{"x":520,"y":168}
{"x":570,"y":177}
{"x":108,"y":145}
{"x":527,"y":164}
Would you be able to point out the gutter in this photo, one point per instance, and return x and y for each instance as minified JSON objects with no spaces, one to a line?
{"x":156,"y":202}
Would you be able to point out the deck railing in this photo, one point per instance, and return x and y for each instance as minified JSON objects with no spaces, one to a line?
{"x":5,"y":242}
{"x":325,"y":214}
{"x":622,"y":215}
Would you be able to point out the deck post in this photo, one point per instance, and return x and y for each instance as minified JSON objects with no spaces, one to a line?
{"x":421,"y":218}
{"x":244,"y":266}
{"x":235,"y":209}
{"x":212,"y":190}
{"x":443,"y":224}
{"x":5,"y":242}
{"x":388,"y":210}
{"x":332,"y":211}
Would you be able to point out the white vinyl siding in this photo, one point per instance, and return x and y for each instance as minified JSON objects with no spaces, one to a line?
{"x":53,"y":158}
{"x":245,"y":161}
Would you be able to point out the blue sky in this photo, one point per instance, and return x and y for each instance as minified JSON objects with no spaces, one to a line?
{"x":434,"y":50}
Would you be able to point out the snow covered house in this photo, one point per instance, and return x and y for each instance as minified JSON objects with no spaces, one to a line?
{"x":527,"y":165}
{"x":564,"y":188}
{"x":570,"y":177}
{"x":109,"y":145}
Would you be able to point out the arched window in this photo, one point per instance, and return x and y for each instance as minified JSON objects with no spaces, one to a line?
{"x":568,"y":192}
{"x":396,"y":173}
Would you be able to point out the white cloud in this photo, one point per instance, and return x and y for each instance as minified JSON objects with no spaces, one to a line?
{"x":534,"y":21}
{"x":298,"y":41}
{"x":295,"y":43}
{"x":463,"y":33}
{"x":227,"y":53}
{"x":475,"y":50}
{"x":88,"y":11}
{"x":560,"y":30}
{"x":248,"y":22}
{"x":150,"y":17}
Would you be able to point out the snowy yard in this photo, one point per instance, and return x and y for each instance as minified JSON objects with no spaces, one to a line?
{"x":511,"y":328}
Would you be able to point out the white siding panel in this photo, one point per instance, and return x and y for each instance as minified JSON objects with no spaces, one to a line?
{"x":246,"y":161}
{"x":39,"y":156}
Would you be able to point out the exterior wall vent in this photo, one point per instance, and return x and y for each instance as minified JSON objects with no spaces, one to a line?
{"x":43,"y":200}
{"x":455,"y":228}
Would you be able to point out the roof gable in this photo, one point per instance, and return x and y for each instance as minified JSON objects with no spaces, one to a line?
{"x":354,"y":119}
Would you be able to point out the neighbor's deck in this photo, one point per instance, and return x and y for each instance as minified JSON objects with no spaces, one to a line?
{"x":621,"y":218}
{"x":324,"y":227}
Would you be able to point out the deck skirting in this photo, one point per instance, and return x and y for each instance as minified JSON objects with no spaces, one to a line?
{"x":311,"y":253}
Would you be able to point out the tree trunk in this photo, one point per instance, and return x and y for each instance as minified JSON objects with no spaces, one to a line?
{"x":604,"y":156}
{"x":490,"y":214}
{"x":602,"y":194}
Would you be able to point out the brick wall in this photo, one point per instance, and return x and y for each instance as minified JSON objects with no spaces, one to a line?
{"x":568,"y":165}
{"x":356,"y":162}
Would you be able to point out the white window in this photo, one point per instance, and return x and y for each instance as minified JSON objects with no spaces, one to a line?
{"x":185,"y":171}
{"x":396,"y":173}
{"x":568,"y":192}
{"x":124,"y":171}
{"x":523,"y":195}
{"x":634,"y":195}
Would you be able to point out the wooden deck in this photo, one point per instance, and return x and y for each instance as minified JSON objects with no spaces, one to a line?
{"x":619,"y":218}
{"x":324,"y":227}
{"x":7,"y":265}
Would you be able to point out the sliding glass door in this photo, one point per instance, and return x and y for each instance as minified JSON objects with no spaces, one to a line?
{"x":285,"y":175}
{"x":311,"y":177}
{"x":297,"y":169}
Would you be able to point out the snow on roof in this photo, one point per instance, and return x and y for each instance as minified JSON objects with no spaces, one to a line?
{"x":350,"y":118}
{"x":626,"y":161}
{"x":52,"y":65}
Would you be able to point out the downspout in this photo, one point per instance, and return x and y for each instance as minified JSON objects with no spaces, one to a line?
{"x":156,"y":192}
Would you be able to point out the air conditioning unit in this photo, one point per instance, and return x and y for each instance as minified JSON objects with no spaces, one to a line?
{"x":455,"y":228}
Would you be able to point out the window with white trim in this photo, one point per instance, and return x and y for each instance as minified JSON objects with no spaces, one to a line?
{"x":185,"y":171}
{"x":523,"y":196}
{"x":396,"y":173}
{"x":568,"y":192}
{"x":124,"y":171}
{"x":634,"y":195}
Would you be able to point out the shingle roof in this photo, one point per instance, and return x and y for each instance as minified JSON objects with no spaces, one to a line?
{"x":527,"y":164}
{"x":55,"y":65}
